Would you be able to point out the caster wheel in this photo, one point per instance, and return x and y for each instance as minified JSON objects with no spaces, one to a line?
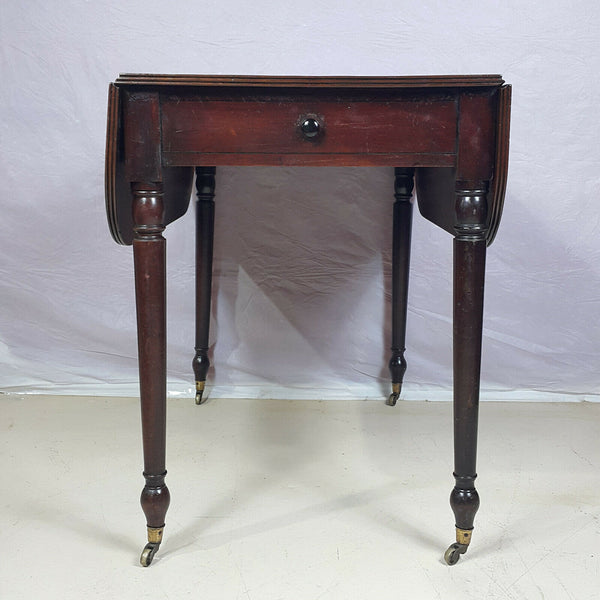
{"x":452,"y":555}
{"x":200,"y":392}
{"x":148,"y":554}
{"x":391,"y":401}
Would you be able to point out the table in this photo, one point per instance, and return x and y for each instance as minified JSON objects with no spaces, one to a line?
{"x":445,"y":135}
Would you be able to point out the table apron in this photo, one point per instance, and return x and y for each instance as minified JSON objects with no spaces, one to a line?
{"x":237,"y":159}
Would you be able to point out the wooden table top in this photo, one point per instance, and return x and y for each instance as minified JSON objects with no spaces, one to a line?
{"x":441,"y":124}
{"x":412,"y":81}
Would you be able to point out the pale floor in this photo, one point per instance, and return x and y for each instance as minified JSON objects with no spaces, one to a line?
{"x":297,"y":500}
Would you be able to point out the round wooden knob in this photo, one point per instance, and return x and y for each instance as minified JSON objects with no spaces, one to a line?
{"x":310,"y":127}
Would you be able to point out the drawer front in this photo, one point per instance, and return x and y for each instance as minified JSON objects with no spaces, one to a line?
{"x":274,"y":127}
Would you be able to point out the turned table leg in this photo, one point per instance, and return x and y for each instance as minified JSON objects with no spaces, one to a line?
{"x":205,"y":222}
{"x":150,"y":291}
{"x":469,"y":275}
{"x":403,"y":189}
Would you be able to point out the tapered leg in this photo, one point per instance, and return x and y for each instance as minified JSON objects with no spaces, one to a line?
{"x":205,"y":221}
{"x":469,"y":275}
{"x":149,"y":263}
{"x":403,"y":189}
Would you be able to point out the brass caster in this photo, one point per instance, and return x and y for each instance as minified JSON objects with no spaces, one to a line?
{"x":199,"y":391}
{"x":452,"y":555}
{"x":148,"y":554}
{"x":396,"y":387}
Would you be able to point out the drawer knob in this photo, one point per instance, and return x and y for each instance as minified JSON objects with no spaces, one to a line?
{"x":310,"y":128}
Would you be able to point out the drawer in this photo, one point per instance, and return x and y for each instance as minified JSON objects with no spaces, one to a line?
{"x":269,"y":131}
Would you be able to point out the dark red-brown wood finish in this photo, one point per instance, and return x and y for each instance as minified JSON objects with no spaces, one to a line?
{"x":446,"y":135}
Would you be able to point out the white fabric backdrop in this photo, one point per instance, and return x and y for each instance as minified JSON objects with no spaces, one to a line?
{"x":302,"y":255}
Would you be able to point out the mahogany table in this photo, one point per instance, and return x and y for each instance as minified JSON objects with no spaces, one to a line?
{"x":448,"y":135}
